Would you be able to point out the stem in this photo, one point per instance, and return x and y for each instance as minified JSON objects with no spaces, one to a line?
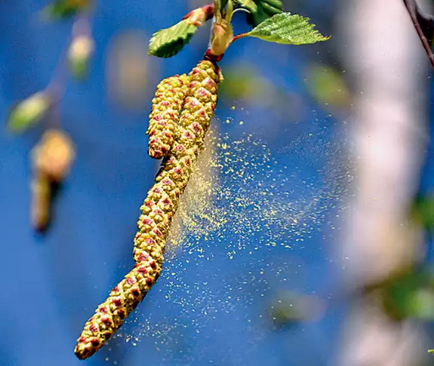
{"x":216,"y":10}
{"x":82,"y":26}
{"x":200,"y":15}
{"x":56,"y":87}
{"x":411,"y":8}
{"x":242,"y":35}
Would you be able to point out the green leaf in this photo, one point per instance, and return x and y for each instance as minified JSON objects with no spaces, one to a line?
{"x":168,"y":42}
{"x":260,"y":10}
{"x":62,"y":9}
{"x":28,"y":112}
{"x":287,"y":29}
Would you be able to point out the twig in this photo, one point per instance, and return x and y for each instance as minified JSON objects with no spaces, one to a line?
{"x":411,"y":8}
{"x":240,"y":36}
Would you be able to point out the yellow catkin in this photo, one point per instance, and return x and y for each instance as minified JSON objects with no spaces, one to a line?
{"x":164,"y":116}
{"x":157,"y":211}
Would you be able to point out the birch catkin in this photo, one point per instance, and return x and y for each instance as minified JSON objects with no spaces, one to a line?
{"x":166,"y":106}
{"x":157,"y":211}
{"x":51,"y":160}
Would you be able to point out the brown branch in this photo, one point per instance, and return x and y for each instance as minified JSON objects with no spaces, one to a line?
{"x":411,"y":6}
{"x":200,"y":15}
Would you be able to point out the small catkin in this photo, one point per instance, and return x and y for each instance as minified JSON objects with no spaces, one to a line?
{"x":164,"y":116}
{"x":157,"y":211}
{"x":51,"y":161}
{"x":40,"y":202}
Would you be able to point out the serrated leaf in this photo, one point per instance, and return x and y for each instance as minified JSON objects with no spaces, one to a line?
{"x":287,"y":29}
{"x":28,"y":112}
{"x":168,"y":42}
{"x":260,"y":10}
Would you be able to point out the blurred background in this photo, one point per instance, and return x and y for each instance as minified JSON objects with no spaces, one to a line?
{"x":304,"y":237}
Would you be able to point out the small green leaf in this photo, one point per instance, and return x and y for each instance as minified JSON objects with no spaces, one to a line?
{"x":62,"y":9}
{"x":260,"y":10}
{"x":287,"y":29}
{"x":168,"y":42}
{"x":28,"y":112}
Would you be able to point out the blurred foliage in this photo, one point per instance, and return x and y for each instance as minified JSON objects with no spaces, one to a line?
{"x":127,"y":70}
{"x":29,"y":112}
{"x":408,"y":295}
{"x":327,"y":86}
{"x":260,"y":10}
{"x":62,"y":9}
{"x":245,"y":82}
{"x":290,"y":308}
{"x":423,"y":211}
{"x":285,"y":28}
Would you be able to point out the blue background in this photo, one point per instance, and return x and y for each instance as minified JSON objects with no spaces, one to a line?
{"x":51,"y":285}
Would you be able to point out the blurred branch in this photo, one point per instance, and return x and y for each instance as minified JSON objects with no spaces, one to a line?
{"x":418,"y":18}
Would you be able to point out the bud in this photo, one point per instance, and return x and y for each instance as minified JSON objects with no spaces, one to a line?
{"x":53,"y":155}
{"x":79,"y":54}
{"x":222,"y":35}
{"x":62,"y":9}
{"x":29,"y":111}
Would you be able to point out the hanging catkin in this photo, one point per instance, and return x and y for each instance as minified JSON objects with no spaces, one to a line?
{"x":51,"y":160}
{"x":157,"y":211}
{"x":166,"y":106}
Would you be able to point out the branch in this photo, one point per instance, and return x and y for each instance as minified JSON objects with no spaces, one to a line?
{"x":411,"y":6}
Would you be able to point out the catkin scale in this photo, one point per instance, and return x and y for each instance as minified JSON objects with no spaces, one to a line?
{"x":157,"y":210}
{"x":166,"y":106}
